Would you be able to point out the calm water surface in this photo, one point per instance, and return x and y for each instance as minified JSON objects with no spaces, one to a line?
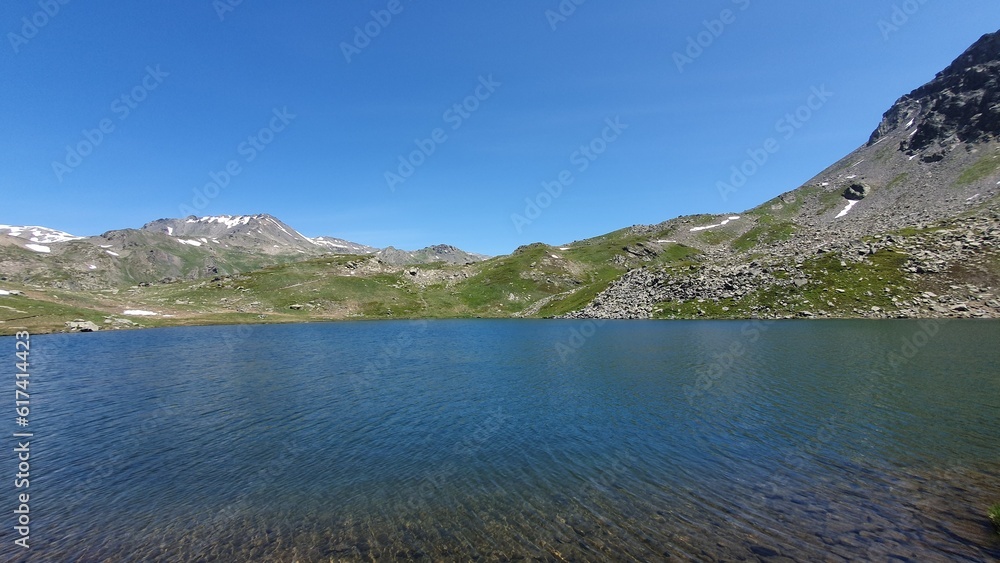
{"x":514,"y":440}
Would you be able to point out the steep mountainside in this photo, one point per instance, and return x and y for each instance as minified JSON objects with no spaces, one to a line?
{"x":916,"y":207}
{"x":961,"y":105}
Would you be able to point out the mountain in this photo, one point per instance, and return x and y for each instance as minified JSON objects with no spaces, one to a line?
{"x":340,"y":246}
{"x":907,"y":225}
{"x":36,"y":236}
{"x":915,"y":207}
{"x":258,"y":233}
{"x":167,"y":250}
{"x":960,"y":106}
{"x":438,"y":253}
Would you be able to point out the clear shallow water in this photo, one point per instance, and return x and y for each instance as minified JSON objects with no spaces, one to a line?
{"x":510,"y":440}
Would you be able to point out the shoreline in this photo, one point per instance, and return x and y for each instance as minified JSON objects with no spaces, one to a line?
{"x":11,"y":330}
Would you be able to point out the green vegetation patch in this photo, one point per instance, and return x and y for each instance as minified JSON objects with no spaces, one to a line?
{"x":786,"y":206}
{"x":714,"y":236}
{"x":764,"y":233}
{"x":838,"y":291}
{"x":576,"y":300}
{"x":984,"y":167}
{"x":529,"y":274}
{"x":864,"y":284}
{"x":830,"y":200}
{"x":24,"y":313}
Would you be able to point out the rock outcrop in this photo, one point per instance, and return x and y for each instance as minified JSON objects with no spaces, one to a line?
{"x":960,"y":105}
{"x":857,"y":191}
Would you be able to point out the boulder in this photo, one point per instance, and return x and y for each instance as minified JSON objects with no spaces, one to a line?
{"x":82,"y":326}
{"x":857,"y":191}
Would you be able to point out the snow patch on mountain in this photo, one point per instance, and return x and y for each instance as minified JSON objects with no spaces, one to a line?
{"x":706,"y":227}
{"x":43,"y":235}
{"x":227,"y":220}
{"x":847,"y":209}
{"x":284,"y":230}
{"x":38,"y":248}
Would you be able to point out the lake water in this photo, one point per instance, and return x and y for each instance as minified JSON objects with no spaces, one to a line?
{"x":510,"y":440}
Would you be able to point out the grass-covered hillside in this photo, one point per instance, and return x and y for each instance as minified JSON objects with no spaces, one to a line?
{"x":537,"y":280}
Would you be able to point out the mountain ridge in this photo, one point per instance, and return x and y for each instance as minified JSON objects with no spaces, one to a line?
{"x":960,"y":105}
{"x":169,"y":249}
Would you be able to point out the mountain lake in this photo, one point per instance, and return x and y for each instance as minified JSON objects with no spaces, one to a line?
{"x":483,"y":440}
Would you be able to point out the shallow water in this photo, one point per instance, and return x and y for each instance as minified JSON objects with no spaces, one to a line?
{"x":512,"y":440}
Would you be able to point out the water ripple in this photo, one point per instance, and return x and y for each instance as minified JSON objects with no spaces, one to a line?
{"x":477,"y":440}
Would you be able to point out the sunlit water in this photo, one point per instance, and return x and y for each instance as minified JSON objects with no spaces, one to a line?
{"x":513,"y":440}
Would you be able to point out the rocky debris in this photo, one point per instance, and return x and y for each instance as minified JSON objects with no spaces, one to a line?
{"x":118,"y":322}
{"x":81,"y":325}
{"x":937,"y":251}
{"x":533,"y":309}
{"x":635,"y":295}
{"x":422,"y":277}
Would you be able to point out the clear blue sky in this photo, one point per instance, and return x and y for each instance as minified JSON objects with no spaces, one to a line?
{"x":218,"y":79}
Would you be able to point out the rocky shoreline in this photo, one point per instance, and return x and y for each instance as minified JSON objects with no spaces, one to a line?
{"x":935,"y":258}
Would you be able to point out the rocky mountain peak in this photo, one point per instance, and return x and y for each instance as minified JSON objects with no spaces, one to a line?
{"x":260,"y":230}
{"x":960,"y":105}
{"x":37,"y":234}
{"x":436,"y":253}
{"x":212,"y":223}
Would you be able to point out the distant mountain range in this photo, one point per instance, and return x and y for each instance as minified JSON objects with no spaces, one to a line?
{"x":907,"y":225}
{"x":172,"y":249}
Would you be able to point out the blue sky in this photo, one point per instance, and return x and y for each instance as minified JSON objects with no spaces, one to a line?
{"x":309,"y":117}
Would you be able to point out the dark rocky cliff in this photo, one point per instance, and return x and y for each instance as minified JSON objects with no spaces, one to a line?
{"x":960,"y":105}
